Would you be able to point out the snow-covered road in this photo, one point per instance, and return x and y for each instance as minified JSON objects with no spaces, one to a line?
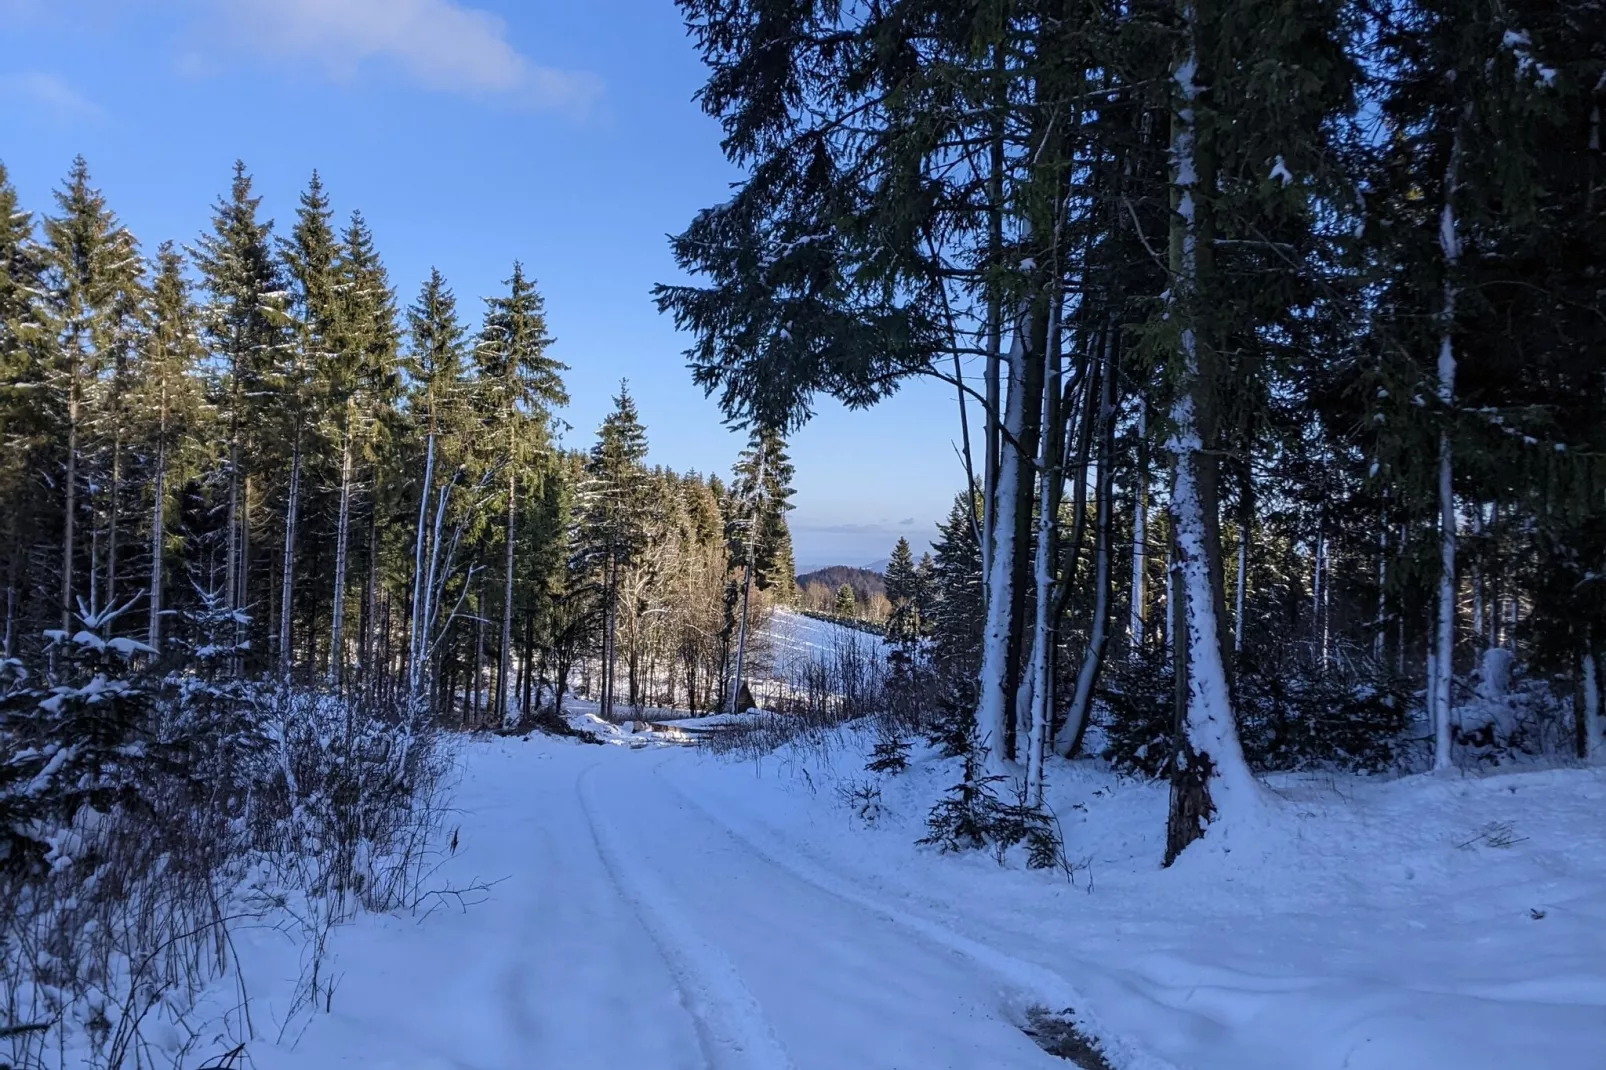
{"x":658,"y":908}
{"x":630,"y":927}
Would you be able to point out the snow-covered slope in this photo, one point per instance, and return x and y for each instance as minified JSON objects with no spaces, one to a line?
{"x":658,"y":908}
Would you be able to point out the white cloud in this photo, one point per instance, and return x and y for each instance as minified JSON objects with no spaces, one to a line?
{"x":49,"y":94}
{"x":440,"y":44}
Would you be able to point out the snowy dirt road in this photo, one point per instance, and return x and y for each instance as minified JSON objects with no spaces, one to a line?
{"x":630,"y":927}
{"x":658,"y":908}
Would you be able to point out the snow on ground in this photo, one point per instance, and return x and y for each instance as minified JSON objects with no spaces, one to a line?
{"x":1428,"y":922}
{"x":659,"y":908}
{"x":793,"y":636}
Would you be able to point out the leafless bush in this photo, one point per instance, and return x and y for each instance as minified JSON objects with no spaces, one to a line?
{"x":144,"y":819}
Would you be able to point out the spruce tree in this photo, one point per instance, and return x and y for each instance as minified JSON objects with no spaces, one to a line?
{"x":520,"y":385}
{"x":244,"y":321}
{"x":309,"y":378}
{"x":169,"y":423}
{"x":612,"y":499}
{"x":903,"y":591}
{"x":364,"y":385}
{"x":91,"y":275}
{"x":436,"y":365}
{"x":22,"y":430}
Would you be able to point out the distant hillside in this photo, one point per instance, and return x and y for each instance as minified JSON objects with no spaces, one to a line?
{"x":864,"y":582}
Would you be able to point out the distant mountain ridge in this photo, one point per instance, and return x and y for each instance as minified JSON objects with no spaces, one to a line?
{"x":864,"y":582}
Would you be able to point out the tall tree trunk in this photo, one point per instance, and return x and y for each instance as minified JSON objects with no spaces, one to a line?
{"x":1317,"y":595}
{"x":153,"y":630}
{"x":415,"y":642}
{"x":993,"y":371}
{"x":337,"y":618}
{"x":242,"y":586}
{"x":504,"y":698}
{"x":70,"y":517}
{"x":369,"y":663}
{"x":113,"y":517}
{"x":8,"y":638}
{"x":1590,"y":746}
{"x":528,"y":669}
{"x":1069,"y":739}
{"x":753,"y":534}
{"x":993,"y":709}
{"x":1019,"y":653}
{"x":1444,"y":631}
{"x":1140,"y":533}
{"x":1380,"y":636}
{"x":1035,"y":699}
{"x":611,"y":620}
{"x":480,"y":713}
{"x":1210,"y":779}
{"x":287,"y":577}
{"x":1246,"y":525}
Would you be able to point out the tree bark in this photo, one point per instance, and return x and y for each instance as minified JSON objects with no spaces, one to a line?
{"x":1210,"y":780}
{"x":70,"y":517}
{"x":1069,"y":739}
{"x":415,"y":623}
{"x":504,"y":698}
{"x":337,"y":618}
{"x":1444,"y":630}
{"x":153,"y":630}
{"x":1140,"y":534}
{"x":995,"y":686}
{"x":287,"y":577}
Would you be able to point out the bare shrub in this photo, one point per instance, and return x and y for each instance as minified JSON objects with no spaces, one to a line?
{"x":143,"y":819}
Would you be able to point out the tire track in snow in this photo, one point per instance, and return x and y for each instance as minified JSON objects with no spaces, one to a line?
{"x":731,"y":1026}
{"x":1033,"y":983}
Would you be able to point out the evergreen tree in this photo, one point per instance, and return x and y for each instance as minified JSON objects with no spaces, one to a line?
{"x":436,"y":365}
{"x":903,"y":591}
{"x":244,"y":322}
{"x":519,"y":387}
{"x":309,"y":379}
{"x":21,"y":428}
{"x":957,"y":614}
{"x":365,"y":394}
{"x":91,"y":277}
{"x":613,"y":532}
{"x":169,"y":415}
{"x":847,"y":603}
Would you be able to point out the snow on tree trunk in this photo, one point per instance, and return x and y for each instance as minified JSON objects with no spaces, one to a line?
{"x":1241,"y":581}
{"x":337,"y":619}
{"x":504,"y":695}
{"x":288,"y":572}
{"x":69,"y":518}
{"x":1444,"y":631}
{"x":1382,"y":588}
{"x":415,"y":624}
{"x":153,"y":631}
{"x":993,"y":699}
{"x":113,"y":520}
{"x":1140,"y":534}
{"x":747,"y":578}
{"x":1036,"y":699}
{"x":1211,"y":781}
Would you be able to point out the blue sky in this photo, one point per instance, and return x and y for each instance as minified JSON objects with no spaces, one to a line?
{"x":470,"y":133}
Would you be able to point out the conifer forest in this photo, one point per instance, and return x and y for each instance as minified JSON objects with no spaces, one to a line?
{"x":1242,"y":707}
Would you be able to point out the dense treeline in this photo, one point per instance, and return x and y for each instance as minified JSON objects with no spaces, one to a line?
{"x":1276,"y":333}
{"x":369,"y":492}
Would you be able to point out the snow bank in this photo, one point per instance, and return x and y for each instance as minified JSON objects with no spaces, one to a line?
{"x":1426,"y":922}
